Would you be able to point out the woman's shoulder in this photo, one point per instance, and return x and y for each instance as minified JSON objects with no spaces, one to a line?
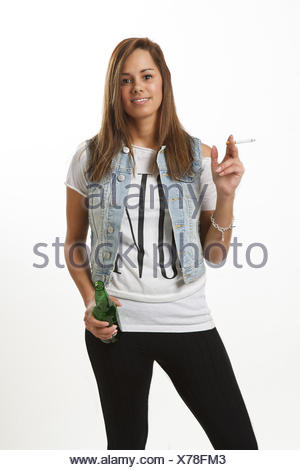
{"x":79,"y":159}
{"x":206,"y":150}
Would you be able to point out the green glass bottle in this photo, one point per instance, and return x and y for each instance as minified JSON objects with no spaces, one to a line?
{"x":105,"y":309}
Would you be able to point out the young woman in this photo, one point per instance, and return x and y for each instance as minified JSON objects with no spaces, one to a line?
{"x":166,"y":207}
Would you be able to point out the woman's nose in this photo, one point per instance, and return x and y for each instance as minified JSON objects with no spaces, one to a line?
{"x":137,"y":87}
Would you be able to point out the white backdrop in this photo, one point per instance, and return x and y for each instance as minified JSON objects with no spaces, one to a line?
{"x":235,"y":69}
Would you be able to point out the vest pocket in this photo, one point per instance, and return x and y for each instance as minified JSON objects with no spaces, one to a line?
{"x":186,"y":178}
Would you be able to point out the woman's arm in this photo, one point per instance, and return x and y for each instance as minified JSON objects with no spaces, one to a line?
{"x":214,"y":249}
{"x":75,"y":256}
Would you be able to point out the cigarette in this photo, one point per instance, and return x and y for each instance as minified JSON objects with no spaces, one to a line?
{"x":243,"y":141}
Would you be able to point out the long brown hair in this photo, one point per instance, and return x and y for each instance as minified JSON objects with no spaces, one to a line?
{"x":114,"y":132}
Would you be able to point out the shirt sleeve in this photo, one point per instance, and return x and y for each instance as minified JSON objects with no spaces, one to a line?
{"x":210,"y":193}
{"x":76,"y":177}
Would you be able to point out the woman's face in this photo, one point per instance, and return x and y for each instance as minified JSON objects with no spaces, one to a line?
{"x":140,"y":78}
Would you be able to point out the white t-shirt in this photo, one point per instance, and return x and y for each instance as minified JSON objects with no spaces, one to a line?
{"x":153,"y":298}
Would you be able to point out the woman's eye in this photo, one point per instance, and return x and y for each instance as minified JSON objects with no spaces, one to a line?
{"x":126,"y":80}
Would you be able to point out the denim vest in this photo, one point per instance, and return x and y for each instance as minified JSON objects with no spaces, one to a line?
{"x":182,"y":199}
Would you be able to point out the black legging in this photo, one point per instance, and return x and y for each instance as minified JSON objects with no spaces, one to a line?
{"x":200,"y":369}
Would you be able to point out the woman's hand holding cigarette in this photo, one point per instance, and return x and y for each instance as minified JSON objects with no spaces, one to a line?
{"x":227,"y":174}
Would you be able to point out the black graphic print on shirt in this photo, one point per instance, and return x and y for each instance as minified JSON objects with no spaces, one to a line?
{"x":140,"y":231}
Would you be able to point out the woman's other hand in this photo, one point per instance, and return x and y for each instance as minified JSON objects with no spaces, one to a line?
{"x":227,"y":174}
{"x":99,"y":328}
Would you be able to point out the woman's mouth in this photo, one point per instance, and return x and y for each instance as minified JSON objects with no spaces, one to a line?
{"x":140,"y":100}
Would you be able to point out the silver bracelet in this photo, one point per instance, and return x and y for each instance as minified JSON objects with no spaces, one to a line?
{"x":221,"y":229}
